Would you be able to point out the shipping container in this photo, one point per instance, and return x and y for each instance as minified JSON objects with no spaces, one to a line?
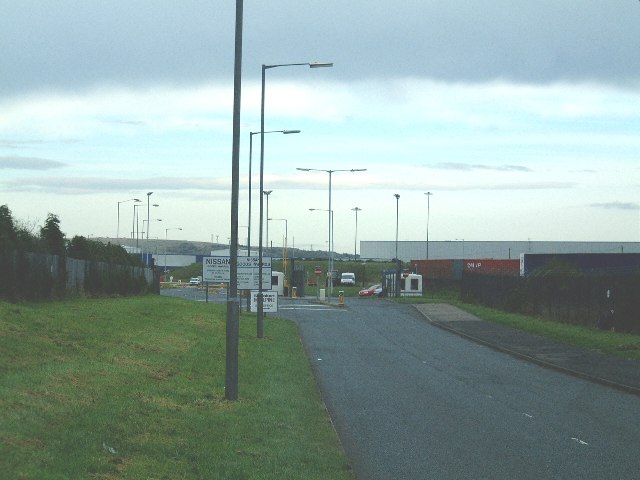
{"x":489,"y":266}
{"x":454,"y":269}
{"x":433,"y":269}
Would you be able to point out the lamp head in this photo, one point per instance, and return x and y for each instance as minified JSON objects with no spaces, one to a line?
{"x":288,"y":132}
{"x":320,"y":64}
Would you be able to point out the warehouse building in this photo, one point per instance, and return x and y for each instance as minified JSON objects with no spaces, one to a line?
{"x":499,"y":250}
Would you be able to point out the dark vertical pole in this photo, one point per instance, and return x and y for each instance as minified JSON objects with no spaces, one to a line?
{"x":233,"y":304}
{"x":260,"y":314}
{"x":330,"y":276}
{"x":397,"y":259}
{"x":428,"y":215}
{"x":249,"y":223}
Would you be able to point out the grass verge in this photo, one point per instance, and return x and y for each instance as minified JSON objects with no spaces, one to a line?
{"x":134,"y":388}
{"x":623,"y":345}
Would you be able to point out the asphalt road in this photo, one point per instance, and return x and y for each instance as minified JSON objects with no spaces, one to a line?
{"x":199,"y":294}
{"x":411,"y":401}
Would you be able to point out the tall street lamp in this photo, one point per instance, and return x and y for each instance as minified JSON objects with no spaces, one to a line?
{"x":147,"y":232}
{"x":284,"y":246}
{"x":260,"y":314}
{"x":148,"y":196}
{"x":355,"y":240}
{"x":233,"y":304}
{"x":397,"y":259}
{"x":136,"y":224}
{"x":124,"y":201}
{"x":428,"y":194}
{"x":330,"y":172}
{"x":166,"y":238}
{"x":251,"y":134}
{"x":135,"y":219}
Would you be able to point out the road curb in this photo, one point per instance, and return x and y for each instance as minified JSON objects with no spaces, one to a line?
{"x":515,"y":353}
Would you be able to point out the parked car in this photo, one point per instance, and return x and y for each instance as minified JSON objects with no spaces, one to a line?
{"x":194,"y":281}
{"x":348,"y":278}
{"x":373,"y":290}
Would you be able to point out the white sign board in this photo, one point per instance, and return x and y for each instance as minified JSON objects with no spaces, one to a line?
{"x":269,"y":301}
{"x":218,"y":270}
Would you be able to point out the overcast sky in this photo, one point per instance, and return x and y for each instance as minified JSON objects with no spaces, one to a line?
{"x":521,"y":117}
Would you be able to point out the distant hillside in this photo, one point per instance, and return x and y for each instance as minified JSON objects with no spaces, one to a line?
{"x":185,"y":247}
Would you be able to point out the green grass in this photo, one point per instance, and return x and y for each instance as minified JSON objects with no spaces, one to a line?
{"x":623,"y":345}
{"x":134,"y":388}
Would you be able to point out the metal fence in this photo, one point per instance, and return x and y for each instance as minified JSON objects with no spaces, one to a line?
{"x":580,"y":300}
{"x":32,"y":276}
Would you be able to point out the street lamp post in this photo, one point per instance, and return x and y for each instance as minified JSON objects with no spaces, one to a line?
{"x":284,"y":246}
{"x":146,"y":256}
{"x":330,"y":172}
{"x":233,"y":305}
{"x":355,"y":240}
{"x":397,"y":259}
{"x":123,"y":201}
{"x":260,"y":313}
{"x":428,"y":194}
{"x":251,"y":134}
{"x":136,"y":229}
{"x":148,"y":196}
{"x":166,"y":237}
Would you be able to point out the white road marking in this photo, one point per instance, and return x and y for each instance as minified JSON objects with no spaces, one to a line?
{"x":317,"y":308}
{"x":581,"y":442}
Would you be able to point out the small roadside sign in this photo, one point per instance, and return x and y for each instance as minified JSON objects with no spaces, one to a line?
{"x":269,"y":301}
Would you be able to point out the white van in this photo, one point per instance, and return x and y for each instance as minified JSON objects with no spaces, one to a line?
{"x":348,"y":278}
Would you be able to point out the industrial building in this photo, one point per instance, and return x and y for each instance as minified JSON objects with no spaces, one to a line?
{"x":499,"y":250}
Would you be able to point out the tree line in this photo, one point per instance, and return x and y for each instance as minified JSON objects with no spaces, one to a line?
{"x":49,"y":239}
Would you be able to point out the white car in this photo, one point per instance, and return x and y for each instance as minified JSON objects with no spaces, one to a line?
{"x":194,"y":281}
{"x":348,"y":278}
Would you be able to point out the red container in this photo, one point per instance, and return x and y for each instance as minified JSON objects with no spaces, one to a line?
{"x":434,"y":269}
{"x":489,"y":266}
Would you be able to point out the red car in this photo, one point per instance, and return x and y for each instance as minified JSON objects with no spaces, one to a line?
{"x":373,"y":290}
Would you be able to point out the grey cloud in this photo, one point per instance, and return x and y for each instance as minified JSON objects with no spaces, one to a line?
{"x":28,"y":163}
{"x":420,"y":186}
{"x":18,"y":144}
{"x":70,"y":45}
{"x":511,"y":186}
{"x":88,"y":185}
{"x":469,"y":167}
{"x":617,"y":205}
